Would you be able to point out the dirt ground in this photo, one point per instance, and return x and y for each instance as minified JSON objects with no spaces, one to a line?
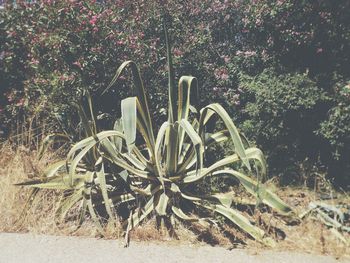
{"x":42,"y":248}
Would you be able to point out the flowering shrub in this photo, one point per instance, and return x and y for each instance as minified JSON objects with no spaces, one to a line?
{"x":51,"y":51}
{"x":63,"y":48}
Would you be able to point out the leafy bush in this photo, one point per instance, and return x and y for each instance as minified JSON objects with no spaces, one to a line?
{"x":300,"y":35}
{"x":335,"y":130}
{"x":53,"y":50}
{"x":282,"y":115}
{"x":292,"y":38}
{"x":159,"y":174}
{"x":67,"y":46}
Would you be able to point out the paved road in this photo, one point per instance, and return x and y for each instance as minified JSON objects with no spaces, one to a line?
{"x":28,"y":248}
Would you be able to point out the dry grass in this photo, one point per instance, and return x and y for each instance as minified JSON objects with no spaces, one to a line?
{"x":17,"y":165}
{"x":20,"y":164}
{"x":311,"y":235}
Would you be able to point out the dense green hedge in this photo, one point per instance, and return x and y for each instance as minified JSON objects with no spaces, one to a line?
{"x":281,"y":67}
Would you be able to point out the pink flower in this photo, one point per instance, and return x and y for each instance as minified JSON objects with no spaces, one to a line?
{"x":34,"y":61}
{"x":324,"y":15}
{"x":319,"y":50}
{"x":221,"y":73}
{"x":258,"y":22}
{"x":11,"y":33}
{"x":178,"y":52}
{"x":20,"y":102}
{"x":78,"y":64}
{"x":93,"y":20}
{"x":226,"y":59}
{"x":246,"y":53}
{"x":63,"y":78}
{"x":9,"y":97}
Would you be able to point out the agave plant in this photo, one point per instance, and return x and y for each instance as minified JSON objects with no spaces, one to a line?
{"x":130,"y":164}
{"x":335,"y":217}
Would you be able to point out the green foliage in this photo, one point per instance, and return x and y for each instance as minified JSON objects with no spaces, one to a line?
{"x":336,"y":128}
{"x":281,"y":113}
{"x":292,"y":38}
{"x":300,"y":35}
{"x":50,"y":52}
{"x":158,"y":174}
{"x":54,"y":50}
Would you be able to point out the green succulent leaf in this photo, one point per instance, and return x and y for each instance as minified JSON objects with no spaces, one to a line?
{"x":239,"y":220}
{"x":128,"y":164}
{"x":129,"y":117}
{"x":208,"y":112}
{"x":68,"y":203}
{"x":101,"y":176}
{"x":179,"y":213}
{"x":162,"y":204}
{"x":259,"y":191}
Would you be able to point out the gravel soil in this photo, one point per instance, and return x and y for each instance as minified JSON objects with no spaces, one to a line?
{"x":41,"y":248}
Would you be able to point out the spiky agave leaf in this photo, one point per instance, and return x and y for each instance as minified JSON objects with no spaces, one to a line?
{"x":156,"y":175}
